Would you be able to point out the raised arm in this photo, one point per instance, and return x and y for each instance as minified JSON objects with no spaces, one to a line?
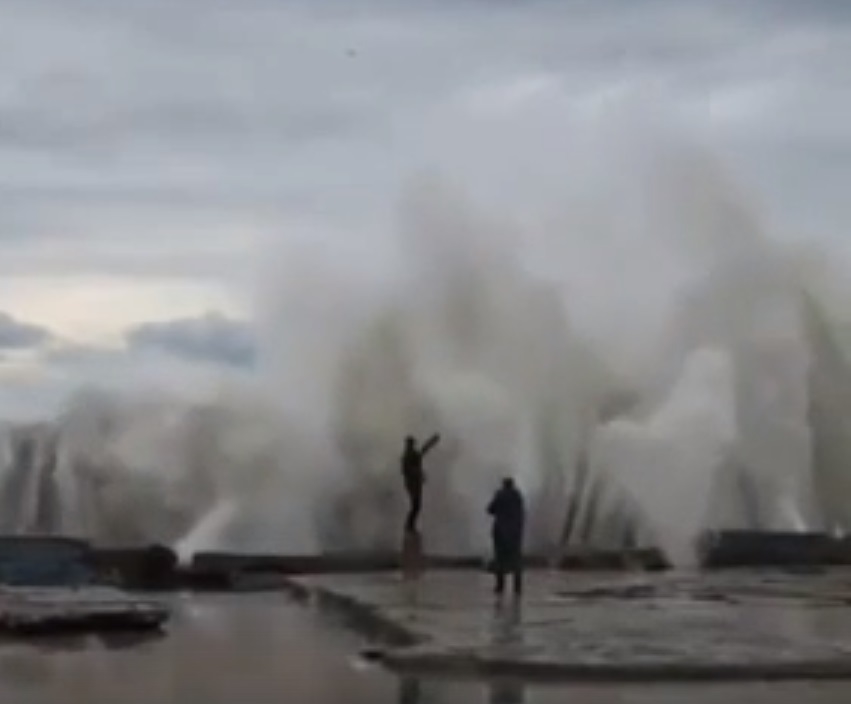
{"x":429,"y":444}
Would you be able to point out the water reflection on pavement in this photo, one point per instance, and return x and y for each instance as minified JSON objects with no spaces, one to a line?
{"x":234,"y":649}
{"x":258,"y":649}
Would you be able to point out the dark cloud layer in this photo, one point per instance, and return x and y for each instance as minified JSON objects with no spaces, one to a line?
{"x":19,"y":335}
{"x":212,"y":337}
{"x":151,"y":109}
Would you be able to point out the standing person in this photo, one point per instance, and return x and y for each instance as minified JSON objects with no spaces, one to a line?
{"x":414,"y":477}
{"x":509,"y":516}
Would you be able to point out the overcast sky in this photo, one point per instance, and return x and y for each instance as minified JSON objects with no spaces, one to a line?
{"x":150,"y":150}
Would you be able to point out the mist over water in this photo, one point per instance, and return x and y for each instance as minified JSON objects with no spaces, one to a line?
{"x":655,"y":357}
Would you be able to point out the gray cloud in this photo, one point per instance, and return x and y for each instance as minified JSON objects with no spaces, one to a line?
{"x":147,"y":137}
{"x":208,"y":103}
{"x":212,"y":337}
{"x":18,"y":335}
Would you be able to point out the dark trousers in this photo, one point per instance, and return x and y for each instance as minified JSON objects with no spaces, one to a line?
{"x":415,"y":503}
{"x":507,"y":560}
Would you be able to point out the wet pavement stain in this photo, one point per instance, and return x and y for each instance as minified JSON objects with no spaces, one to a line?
{"x":680,"y":626}
{"x":265,"y":648}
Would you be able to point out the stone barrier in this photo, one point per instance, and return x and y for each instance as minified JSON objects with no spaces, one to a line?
{"x":742,"y":548}
{"x":44,"y":561}
{"x":146,"y":567}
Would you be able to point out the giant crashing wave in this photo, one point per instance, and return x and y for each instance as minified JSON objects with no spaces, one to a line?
{"x":73,"y":477}
{"x":738,"y":420}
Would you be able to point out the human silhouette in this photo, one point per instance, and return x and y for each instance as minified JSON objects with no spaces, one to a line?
{"x":507,"y":507}
{"x":414,"y":476}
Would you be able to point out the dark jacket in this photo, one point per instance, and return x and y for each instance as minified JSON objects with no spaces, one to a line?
{"x":412,"y":468}
{"x":412,"y":462}
{"x":509,"y":515}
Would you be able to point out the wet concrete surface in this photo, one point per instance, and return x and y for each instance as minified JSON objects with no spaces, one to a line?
{"x":216,"y":649}
{"x":38,"y":611}
{"x":256,"y":648}
{"x":580,"y":627}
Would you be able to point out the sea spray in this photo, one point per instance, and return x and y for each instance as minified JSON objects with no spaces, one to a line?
{"x":666,"y":463}
{"x":512,"y":343}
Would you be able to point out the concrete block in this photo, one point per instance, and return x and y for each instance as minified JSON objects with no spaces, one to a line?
{"x":743,"y":548}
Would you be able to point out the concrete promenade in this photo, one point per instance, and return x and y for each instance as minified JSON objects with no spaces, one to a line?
{"x":734,"y":625}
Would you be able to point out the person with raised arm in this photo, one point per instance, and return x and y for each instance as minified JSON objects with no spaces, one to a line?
{"x":414,"y":476}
